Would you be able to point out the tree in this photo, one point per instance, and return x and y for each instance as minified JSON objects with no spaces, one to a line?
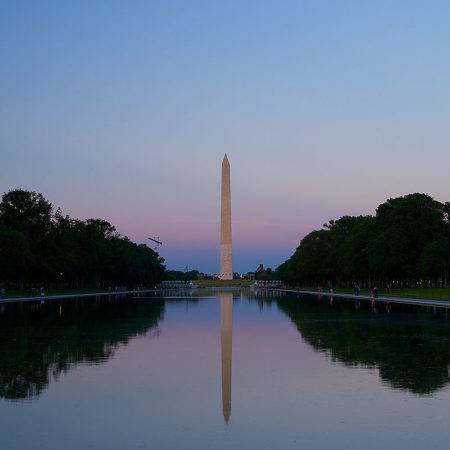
{"x":15,"y":255}
{"x":29,"y":214}
{"x":355,"y":264}
{"x":404,"y":226}
{"x":389,"y":246}
{"x":39,"y":245}
{"x":435,"y":259}
{"x":26,"y":211}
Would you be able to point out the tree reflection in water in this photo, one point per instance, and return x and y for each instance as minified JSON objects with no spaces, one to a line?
{"x":39,"y":341}
{"x":409,"y":345}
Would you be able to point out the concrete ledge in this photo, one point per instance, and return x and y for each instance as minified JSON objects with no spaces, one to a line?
{"x":54,"y":297}
{"x":410,"y":301}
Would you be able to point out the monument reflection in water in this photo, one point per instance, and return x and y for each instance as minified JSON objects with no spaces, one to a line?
{"x":144,"y":373}
{"x":226,"y":341}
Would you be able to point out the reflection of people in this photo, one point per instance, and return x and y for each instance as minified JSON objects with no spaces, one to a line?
{"x":374,"y":306}
{"x":331,"y":300}
{"x":357,"y":305}
{"x":388,"y":307}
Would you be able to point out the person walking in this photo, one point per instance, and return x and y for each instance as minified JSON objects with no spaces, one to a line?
{"x":375,"y":292}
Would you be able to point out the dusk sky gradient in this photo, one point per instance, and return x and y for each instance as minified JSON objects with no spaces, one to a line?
{"x":124,"y":111}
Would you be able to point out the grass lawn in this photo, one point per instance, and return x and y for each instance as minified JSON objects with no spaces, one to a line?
{"x":418,"y":293}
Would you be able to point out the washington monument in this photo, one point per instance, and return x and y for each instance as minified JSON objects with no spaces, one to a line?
{"x":226,"y":266}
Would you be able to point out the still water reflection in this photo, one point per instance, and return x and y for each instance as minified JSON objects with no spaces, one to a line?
{"x":303,"y":372}
{"x":41,"y":340}
{"x":226,"y":338}
{"x":408,"y":345}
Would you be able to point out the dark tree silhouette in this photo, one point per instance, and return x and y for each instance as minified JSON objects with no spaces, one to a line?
{"x":40,"y":245}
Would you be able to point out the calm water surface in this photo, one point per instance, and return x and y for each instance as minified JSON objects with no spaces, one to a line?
{"x":223,"y":370}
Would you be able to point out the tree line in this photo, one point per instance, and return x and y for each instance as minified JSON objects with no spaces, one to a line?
{"x":39,"y":245}
{"x":407,"y":241}
{"x":179,"y":275}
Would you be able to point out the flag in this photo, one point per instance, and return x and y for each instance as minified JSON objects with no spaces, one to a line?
{"x":185,"y":269}
{"x":260,"y":268}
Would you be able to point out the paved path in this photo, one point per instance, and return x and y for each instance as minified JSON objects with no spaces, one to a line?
{"x":410,"y":301}
{"x":53,"y":297}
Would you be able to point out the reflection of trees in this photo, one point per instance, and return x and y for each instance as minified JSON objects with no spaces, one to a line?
{"x":410,"y":347}
{"x":38,"y":342}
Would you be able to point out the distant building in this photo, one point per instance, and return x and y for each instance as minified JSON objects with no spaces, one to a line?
{"x":207,"y":276}
{"x":236,"y":276}
{"x":248,"y":276}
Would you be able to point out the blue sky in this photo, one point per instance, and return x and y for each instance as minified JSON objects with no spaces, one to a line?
{"x":124,"y":110}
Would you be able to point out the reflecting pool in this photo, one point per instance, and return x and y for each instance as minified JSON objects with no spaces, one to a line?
{"x":229,"y":369}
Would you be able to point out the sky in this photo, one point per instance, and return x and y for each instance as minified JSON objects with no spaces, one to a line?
{"x":123,"y":110}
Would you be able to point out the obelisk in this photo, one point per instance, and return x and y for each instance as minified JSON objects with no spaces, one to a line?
{"x":226,"y":324}
{"x":226,"y":266}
